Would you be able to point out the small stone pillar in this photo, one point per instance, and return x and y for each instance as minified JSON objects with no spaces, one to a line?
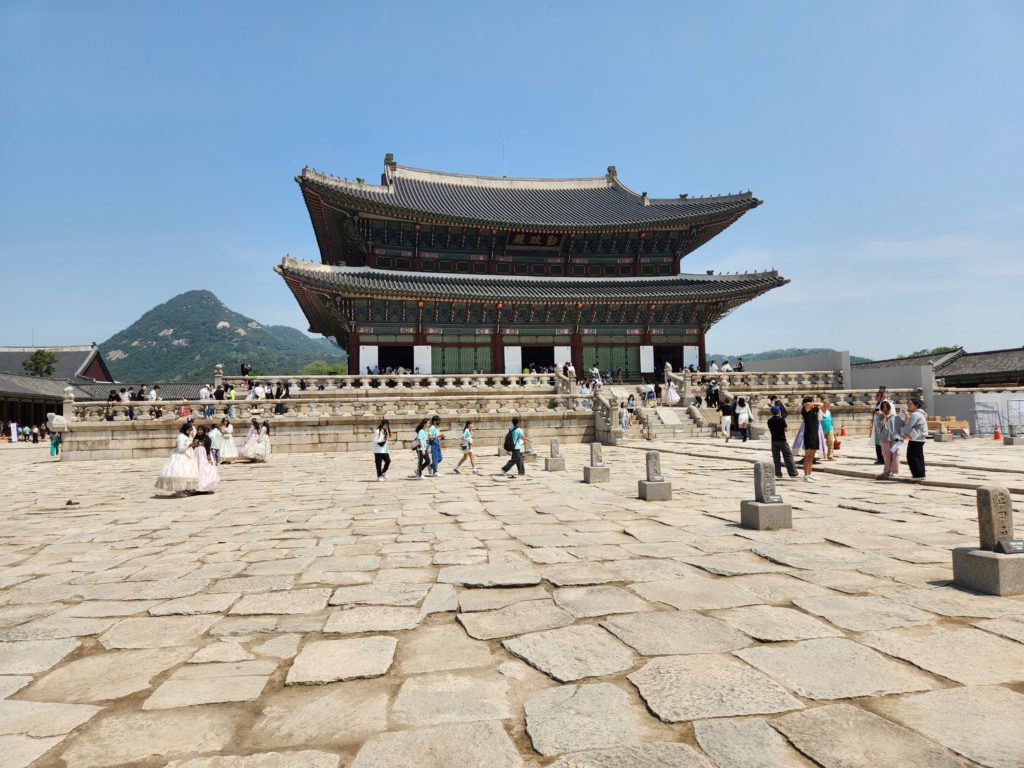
{"x":655,"y":487}
{"x":596,"y":472}
{"x":69,"y":403}
{"x":766,"y":512}
{"x":218,"y":375}
{"x":554,"y":463}
{"x":997,"y":566}
{"x":1013,"y":436}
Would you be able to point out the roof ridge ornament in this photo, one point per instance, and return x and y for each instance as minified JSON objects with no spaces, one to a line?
{"x":612,"y":173}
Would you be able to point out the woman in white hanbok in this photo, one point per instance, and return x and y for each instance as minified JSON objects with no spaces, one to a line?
{"x":262,"y":452}
{"x":252,"y":439}
{"x":228,"y":449}
{"x":179,"y":473}
{"x":208,"y":477}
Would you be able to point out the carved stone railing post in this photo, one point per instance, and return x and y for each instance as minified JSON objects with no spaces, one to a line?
{"x":218,"y":375}
{"x":69,"y":404}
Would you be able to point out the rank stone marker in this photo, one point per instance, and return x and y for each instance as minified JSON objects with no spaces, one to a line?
{"x":655,"y":487}
{"x":984,"y":569}
{"x":597,"y":472}
{"x":1014,"y":436}
{"x":556,"y":463}
{"x":766,"y":512}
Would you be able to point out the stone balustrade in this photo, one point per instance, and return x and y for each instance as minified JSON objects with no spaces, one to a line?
{"x":404,"y":384}
{"x":774,"y":381}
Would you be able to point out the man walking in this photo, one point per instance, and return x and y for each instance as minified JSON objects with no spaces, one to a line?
{"x":518,"y":436}
{"x":915,"y":432}
{"x":780,"y":445}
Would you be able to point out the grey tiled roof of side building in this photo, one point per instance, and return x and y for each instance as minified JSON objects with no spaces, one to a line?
{"x":993,"y":362}
{"x":597,"y":201}
{"x":70,"y":360}
{"x":366,"y":280}
{"x":938,"y":360}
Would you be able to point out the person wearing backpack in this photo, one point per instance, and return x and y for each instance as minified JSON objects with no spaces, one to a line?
{"x":514,"y":440}
{"x":421,"y":449}
{"x":434,"y":438}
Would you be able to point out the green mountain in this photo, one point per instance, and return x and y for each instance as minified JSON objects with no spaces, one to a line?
{"x":182,"y":339}
{"x":778,"y":354}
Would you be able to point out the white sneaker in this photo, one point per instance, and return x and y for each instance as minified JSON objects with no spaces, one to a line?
{"x":380,"y":478}
{"x":808,"y":479}
{"x":419,"y":477}
{"x":476,"y":471}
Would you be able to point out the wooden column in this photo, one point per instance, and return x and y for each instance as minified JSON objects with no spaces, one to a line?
{"x":702,"y":354}
{"x":416,"y":249}
{"x":353,"y":353}
{"x":497,"y":345}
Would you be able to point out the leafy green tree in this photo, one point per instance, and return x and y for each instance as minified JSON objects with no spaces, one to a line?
{"x":323,"y":368}
{"x":40,"y":363}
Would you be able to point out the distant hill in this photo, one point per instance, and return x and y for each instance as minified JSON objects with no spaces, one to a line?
{"x":777,"y":354}
{"x":182,"y":339}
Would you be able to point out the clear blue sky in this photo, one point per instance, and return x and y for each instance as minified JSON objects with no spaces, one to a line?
{"x":150,"y":148}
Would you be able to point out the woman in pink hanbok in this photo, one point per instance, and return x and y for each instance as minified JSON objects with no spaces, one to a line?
{"x":205,"y":468}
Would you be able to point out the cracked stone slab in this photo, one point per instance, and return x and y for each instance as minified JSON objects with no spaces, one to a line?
{"x":835,"y":668}
{"x":490,"y":575}
{"x":306,"y":758}
{"x":683,"y":688}
{"x":820,"y":557}
{"x":695,"y":593}
{"x":457,"y":744}
{"x":329,"y":716}
{"x":41,"y":720}
{"x":10,"y":684}
{"x":450,"y":697}
{"x":441,"y":648}
{"x":222,"y":651}
{"x":646,"y":569}
{"x":54,"y":628}
{"x":734,"y":564}
{"x":773,"y":624}
{"x":989,"y":734}
{"x":120,"y":739}
{"x":150,"y":632}
{"x":472,"y":600}
{"x":748,"y":743}
{"x":571,"y":653}
{"x":868,"y":740}
{"x":964,"y":654}
{"x":516,"y":619}
{"x":863,"y":613}
{"x":280,"y":647}
{"x":103,"y":676}
{"x":326,"y":661}
{"x":195,"y":605}
{"x":29,"y":657}
{"x":1012,"y":628}
{"x":571,"y":718}
{"x":293,"y":601}
{"x":583,"y":602}
{"x":579,"y":574}
{"x":215,"y":683}
{"x":671,"y":633}
{"x":98,"y":609}
{"x":651,"y":755}
{"x":950,"y":601}
{"x":373,"y":618}
{"x":253,"y":584}
{"x":381,"y":594}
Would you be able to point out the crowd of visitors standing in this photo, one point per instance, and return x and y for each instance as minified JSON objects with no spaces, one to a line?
{"x":33,"y":434}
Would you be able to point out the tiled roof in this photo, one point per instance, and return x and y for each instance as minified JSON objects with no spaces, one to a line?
{"x":71,"y":361}
{"x":556,"y":203}
{"x":173,"y":391}
{"x":367,"y":281}
{"x":991,"y":364}
{"x":20,"y":385}
{"x":937,"y":360}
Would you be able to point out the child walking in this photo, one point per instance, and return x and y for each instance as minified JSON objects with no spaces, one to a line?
{"x":467,"y":450}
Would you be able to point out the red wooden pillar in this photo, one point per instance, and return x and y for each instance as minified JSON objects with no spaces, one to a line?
{"x":702,"y":355}
{"x":577,"y":354}
{"x":353,"y":353}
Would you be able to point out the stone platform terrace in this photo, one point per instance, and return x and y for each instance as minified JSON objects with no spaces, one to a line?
{"x":305,"y":617}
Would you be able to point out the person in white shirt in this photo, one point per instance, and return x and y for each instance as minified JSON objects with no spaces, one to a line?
{"x":714,"y":367}
{"x":726,"y":368}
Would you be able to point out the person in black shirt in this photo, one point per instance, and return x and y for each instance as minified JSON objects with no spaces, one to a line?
{"x":774,"y":400}
{"x":810,"y":413}
{"x":728,"y":411}
{"x":780,"y":445}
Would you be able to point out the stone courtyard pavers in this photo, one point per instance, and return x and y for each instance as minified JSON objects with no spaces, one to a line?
{"x":440,"y":648}
{"x":963,"y":654}
{"x":307,"y":758}
{"x":471,"y":600}
{"x":670,"y":633}
{"x":1011,"y":627}
{"x":571,"y":718}
{"x":579,"y":574}
{"x":583,"y":602}
{"x":253,"y":584}
{"x":221,"y":651}
{"x":215,"y":683}
{"x":819,"y":557}
{"x":31,"y":656}
{"x":951,"y":601}
{"x":701,"y":686}
{"x":21,"y":751}
{"x":835,"y":668}
{"x":650,"y":755}
{"x":777,"y":587}
{"x":648,"y":569}
{"x":325,"y":661}
{"x":39,"y":719}
{"x":774,"y":624}
{"x":748,"y":743}
{"x":515,"y":619}
{"x":490,"y":575}
{"x":841,"y":736}
{"x":195,"y":605}
{"x":292,"y":601}
{"x":863,"y":613}
{"x":103,"y":676}
{"x":380,"y":594}
{"x":372,"y":618}
{"x":734,"y":564}
{"x":981,"y":723}
{"x":450,"y":697}
{"x":571,"y":653}
{"x":122,"y":738}
{"x":457,"y":744}
{"x":10,"y":684}
{"x":164,"y":632}
{"x":54,"y":628}
{"x":328,"y":716}
{"x":694,"y":592}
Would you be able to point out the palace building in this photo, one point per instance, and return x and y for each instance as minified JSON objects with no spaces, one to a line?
{"x":451,"y":273}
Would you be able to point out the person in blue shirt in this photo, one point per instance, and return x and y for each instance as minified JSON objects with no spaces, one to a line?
{"x":467,"y":449}
{"x":421,"y":448}
{"x":434,"y":438}
{"x":518,"y":439}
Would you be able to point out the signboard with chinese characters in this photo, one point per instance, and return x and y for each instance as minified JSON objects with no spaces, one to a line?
{"x":533,"y":242}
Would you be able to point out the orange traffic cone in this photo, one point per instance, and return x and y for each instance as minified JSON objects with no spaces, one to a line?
{"x":842,"y":430}
{"x":998,"y":435}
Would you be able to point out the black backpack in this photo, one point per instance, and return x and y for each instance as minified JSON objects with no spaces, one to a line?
{"x":509,"y":444}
